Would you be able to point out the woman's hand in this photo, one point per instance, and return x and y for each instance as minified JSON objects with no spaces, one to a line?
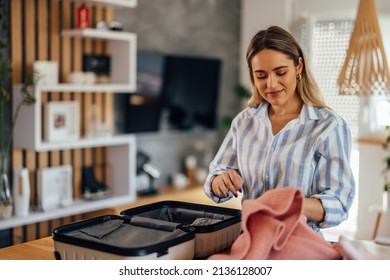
{"x":227,"y":182}
{"x":313,"y":209}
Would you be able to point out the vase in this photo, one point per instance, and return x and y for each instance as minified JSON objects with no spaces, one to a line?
{"x":21,"y":192}
{"x":6,"y":203}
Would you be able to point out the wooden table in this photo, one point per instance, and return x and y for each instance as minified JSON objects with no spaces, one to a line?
{"x":43,"y":249}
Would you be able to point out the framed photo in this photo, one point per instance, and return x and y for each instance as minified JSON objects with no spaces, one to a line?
{"x":55,"y":187}
{"x":62,"y":121}
{"x":46,"y":71}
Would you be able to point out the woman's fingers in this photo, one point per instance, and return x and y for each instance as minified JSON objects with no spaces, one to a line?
{"x":236,"y":180}
{"x":227,"y":182}
{"x":218,"y":186}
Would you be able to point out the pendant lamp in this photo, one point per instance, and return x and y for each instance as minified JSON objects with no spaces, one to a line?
{"x":365,"y":70}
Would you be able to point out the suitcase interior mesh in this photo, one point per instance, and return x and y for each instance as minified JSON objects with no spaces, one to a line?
{"x":185,"y":216}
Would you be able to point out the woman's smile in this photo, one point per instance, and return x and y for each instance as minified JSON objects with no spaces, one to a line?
{"x":274,"y":93}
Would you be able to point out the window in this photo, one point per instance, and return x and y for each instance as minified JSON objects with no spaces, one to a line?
{"x":382,"y":110}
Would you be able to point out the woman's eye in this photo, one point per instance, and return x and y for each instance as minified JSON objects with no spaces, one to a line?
{"x":262,"y":77}
{"x":281,"y":73}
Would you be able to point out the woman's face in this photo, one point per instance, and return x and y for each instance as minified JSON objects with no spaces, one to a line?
{"x":275,"y":77}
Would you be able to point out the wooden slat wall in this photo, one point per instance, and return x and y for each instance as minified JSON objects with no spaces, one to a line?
{"x":42,"y":54}
{"x":36,"y":36}
{"x":29,"y":57}
{"x":17,"y":61}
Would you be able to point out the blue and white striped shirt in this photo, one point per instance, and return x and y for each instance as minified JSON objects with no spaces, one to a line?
{"x":311,"y":152}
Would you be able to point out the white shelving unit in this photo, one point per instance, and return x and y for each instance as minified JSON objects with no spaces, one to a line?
{"x":122,"y":155}
{"x":30,"y":122}
{"x":123,"y":54}
{"x":78,"y":206}
{"x":122,"y":161}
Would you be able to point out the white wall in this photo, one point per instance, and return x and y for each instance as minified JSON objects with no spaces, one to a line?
{"x":258,"y":14}
{"x":370,"y":191}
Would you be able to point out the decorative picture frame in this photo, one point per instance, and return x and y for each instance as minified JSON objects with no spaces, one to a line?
{"x":55,"y":187}
{"x":46,"y":72}
{"x":62,"y":121}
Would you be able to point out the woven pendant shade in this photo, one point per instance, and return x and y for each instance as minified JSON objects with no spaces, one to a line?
{"x":365,"y":70}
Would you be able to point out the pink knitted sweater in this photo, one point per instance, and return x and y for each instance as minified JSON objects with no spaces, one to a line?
{"x":273,"y":227}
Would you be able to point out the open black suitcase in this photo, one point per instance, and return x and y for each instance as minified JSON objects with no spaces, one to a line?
{"x":161,"y":230}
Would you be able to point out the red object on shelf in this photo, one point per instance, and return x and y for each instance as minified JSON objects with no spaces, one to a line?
{"x":82,"y":17}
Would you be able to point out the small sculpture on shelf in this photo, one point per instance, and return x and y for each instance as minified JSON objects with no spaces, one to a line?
{"x":96,"y":127}
{"x":83,"y":17}
{"x":91,"y":187}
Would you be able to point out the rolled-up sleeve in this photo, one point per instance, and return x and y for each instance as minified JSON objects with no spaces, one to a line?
{"x":225,"y":159}
{"x":334,"y":182}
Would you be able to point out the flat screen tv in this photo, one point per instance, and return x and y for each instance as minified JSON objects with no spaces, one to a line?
{"x":190,"y":91}
{"x":173,"y":91}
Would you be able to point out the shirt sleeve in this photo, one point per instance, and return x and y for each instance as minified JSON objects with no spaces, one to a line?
{"x":225,"y":159}
{"x":334,"y":182}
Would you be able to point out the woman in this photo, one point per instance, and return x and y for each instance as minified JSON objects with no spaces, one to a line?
{"x":286,"y":137}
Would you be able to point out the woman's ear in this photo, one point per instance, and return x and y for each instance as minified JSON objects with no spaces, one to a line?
{"x":300,"y":66}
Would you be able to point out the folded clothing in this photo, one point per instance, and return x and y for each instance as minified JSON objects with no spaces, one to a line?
{"x":103,"y":229}
{"x":273,"y":227}
{"x":119,"y":233}
{"x":352,"y":249}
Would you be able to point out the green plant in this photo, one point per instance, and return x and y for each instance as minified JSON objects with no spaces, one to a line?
{"x":242,"y":92}
{"x":7,"y":123}
{"x":5,"y":76}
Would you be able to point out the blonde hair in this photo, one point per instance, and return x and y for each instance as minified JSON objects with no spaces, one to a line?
{"x":278,"y":39}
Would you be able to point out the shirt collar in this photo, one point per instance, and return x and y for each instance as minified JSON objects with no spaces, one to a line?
{"x":311,"y":113}
{"x":262,"y":110}
{"x":307,"y":113}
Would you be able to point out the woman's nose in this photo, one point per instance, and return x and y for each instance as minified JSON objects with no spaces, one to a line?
{"x":270,"y":81}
